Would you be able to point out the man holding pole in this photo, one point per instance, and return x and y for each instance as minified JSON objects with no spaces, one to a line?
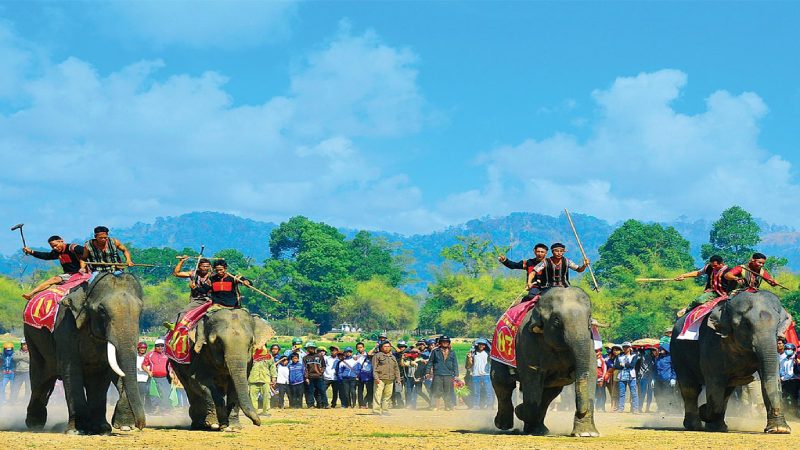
{"x":554,"y":271}
{"x":105,"y":251}
{"x":748,"y":276}
{"x":66,"y":254}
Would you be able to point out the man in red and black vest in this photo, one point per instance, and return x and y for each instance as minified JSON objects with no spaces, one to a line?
{"x":554,"y":271}
{"x":224,"y":286}
{"x":66,"y":254}
{"x":748,"y":276}
{"x":105,"y":249}
{"x":540,"y":253}
{"x":716,"y":284}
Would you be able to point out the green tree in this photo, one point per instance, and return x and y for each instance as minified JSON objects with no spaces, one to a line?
{"x":164,"y":260}
{"x":734,"y":236}
{"x":635,"y":242}
{"x":374,"y":257}
{"x":473,"y":255}
{"x":11,"y":305}
{"x":376,"y":305}
{"x":237,"y":261}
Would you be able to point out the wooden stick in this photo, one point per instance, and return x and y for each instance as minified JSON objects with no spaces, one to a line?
{"x":759,"y":275}
{"x":239,"y":279}
{"x":644,"y":280}
{"x":583,"y":252}
{"x":118,"y":264}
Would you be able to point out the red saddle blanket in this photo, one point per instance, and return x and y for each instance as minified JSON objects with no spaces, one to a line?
{"x":791,"y":335}
{"x":42,"y":309}
{"x":505,"y":332}
{"x":178,"y":345}
{"x":691,"y":327}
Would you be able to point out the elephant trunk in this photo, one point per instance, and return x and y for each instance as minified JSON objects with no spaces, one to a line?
{"x":237,"y":368}
{"x":122,"y":359}
{"x":579,"y":340}
{"x":764,"y":345}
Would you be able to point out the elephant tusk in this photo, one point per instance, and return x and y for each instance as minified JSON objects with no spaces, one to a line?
{"x":112,"y":360}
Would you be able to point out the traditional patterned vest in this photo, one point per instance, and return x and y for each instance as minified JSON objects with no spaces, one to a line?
{"x":751,"y":281}
{"x":555,"y":274}
{"x":717,"y":281}
{"x":202,"y":285}
{"x":107,"y":255}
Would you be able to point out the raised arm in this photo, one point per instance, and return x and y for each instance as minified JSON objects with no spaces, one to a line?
{"x":47,"y":256}
{"x":692,"y":274}
{"x":511,"y":264}
{"x":177,"y":271}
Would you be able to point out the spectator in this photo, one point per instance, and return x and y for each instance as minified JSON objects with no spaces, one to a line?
{"x":626,"y":365}
{"x":408,"y":369}
{"x":180,"y":392}
{"x":790,"y":376}
{"x":665,"y":381}
{"x":22,"y":368}
{"x":600,"y":390}
{"x":365,"y":383}
{"x":442,"y":369}
{"x":612,"y":376}
{"x":781,"y":345}
{"x":297,"y":378}
{"x":666,"y":337}
{"x":8,"y":369}
{"x":644,"y":375}
{"x":331,"y":369}
{"x":315,"y":385}
{"x":275,"y":351}
{"x":385,"y":372}
{"x":263,"y":378}
{"x":424,"y":357}
{"x":283,"y":380}
{"x":478,"y":359}
{"x":348,"y":371}
{"x":297,"y":347}
{"x":397,"y":395}
{"x":142,"y":377}
{"x":155,"y":364}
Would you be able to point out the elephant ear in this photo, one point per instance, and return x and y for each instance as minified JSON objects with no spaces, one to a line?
{"x":261,"y":332}
{"x":536,"y":321}
{"x":200,"y":335}
{"x":76,"y":303}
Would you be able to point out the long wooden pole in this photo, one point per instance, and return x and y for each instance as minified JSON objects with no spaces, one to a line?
{"x":759,"y":275}
{"x":119,"y":264}
{"x":583,"y":252}
{"x":239,"y":279}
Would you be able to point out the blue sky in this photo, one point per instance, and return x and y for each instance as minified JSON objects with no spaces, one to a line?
{"x":403,"y":116}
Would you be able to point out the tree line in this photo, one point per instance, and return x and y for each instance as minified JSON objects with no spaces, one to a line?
{"x":322,"y":278}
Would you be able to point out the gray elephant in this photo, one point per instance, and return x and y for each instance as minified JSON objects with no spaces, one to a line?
{"x":554,"y":348}
{"x":752,"y":321}
{"x":216,"y":378}
{"x":92,"y":345}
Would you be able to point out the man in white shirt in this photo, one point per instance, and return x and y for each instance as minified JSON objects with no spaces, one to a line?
{"x":142,"y":378}
{"x":478,"y":360}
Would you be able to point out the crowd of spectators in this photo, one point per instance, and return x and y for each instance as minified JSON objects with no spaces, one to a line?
{"x":16,"y":373}
{"x":386,"y":376}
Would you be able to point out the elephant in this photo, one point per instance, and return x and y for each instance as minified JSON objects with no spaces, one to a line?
{"x":215,"y":379}
{"x":554,"y":348}
{"x":752,"y":321}
{"x":92,"y":345}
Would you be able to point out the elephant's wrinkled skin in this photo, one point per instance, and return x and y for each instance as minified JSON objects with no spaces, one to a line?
{"x":216,"y":379}
{"x":554,"y":348}
{"x":721,"y":364}
{"x":78,"y":352}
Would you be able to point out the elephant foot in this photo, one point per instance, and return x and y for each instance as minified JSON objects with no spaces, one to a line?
{"x":535,"y":429}
{"x":717,"y":427}
{"x":692,"y":423}
{"x":214,"y":426}
{"x":777,"y":425}
{"x":232,"y":429}
{"x":125,"y":428}
{"x":584,"y":429}
{"x":35,"y":423}
{"x":504,"y":421}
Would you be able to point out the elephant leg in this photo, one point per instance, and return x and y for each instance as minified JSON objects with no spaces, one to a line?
{"x":713,"y":411}
{"x":96,"y":397}
{"x":42,"y":380}
{"x":533,"y":396}
{"x":219,"y":407}
{"x":503,"y":384}
{"x":123,"y":418}
{"x":690,"y":393}
{"x":68,"y":362}
{"x":537,"y":426}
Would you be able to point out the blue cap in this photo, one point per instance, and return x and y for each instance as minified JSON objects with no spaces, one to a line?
{"x":348,"y":349}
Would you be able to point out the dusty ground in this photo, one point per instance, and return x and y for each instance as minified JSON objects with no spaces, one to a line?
{"x":356,"y":429}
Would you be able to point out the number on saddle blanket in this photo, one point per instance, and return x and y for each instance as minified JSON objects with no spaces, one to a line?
{"x":505,"y":333}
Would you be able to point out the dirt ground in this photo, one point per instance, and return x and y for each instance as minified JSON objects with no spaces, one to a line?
{"x":357,"y":429}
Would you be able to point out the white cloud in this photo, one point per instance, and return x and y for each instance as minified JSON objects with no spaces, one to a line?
{"x":644,"y":160}
{"x":88,"y":148}
{"x":220,"y":24}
